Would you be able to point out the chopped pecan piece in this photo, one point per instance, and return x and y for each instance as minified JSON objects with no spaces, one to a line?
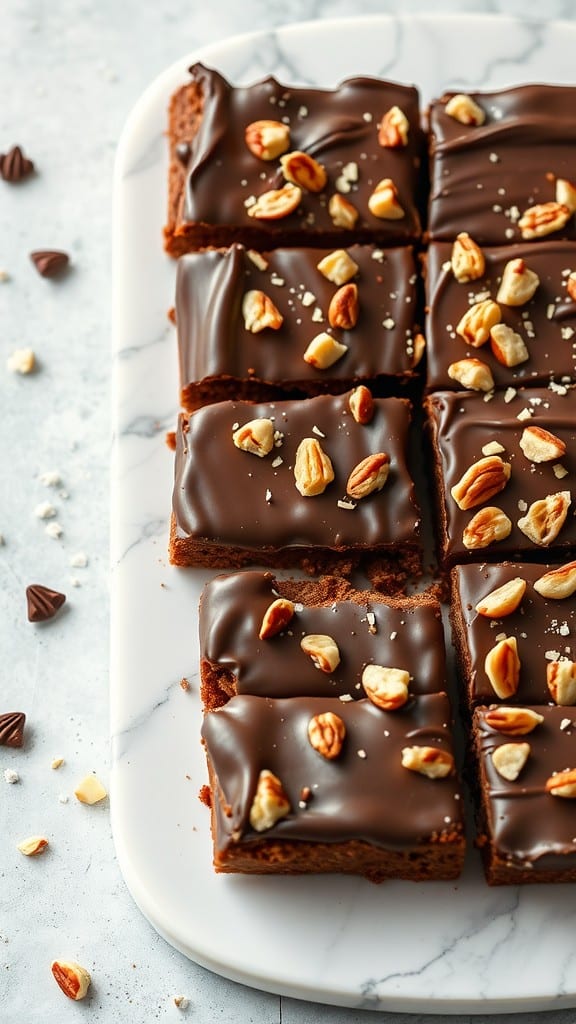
{"x":562,"y":784}
{"x":270,"y":802}
{"x":472,"y":373}
{"x":509,"y":759}
{"x":543,"y":219}
{"x":256,"y":437}
{"x":545,"y":518}
{"x":430,"y":761}
{"x":512,"y":721}
{"x":561,"y":681}
{"x":394,"y":128}
{"x":518,"y":284}
{"x":488,"y":526}
{"x":541,"y":445}
{"x":343,"y":308}
{"x":323,"y":650}
{"x":477,"y":322}
{"x":303,"y":170}
{"x":558,"y":583}
{"x":465,"y":110}
{"x":276,"y":203}
{"x":267,"y":140}
{"x":276,"y":617}
{"x":326,"y":733}
{"x":369,"y":475}
{"x":384,"y":202}
{"x":502,"y":666}
{"x":502,"y":601}
{"x":481,"y":481}
{"x":468,"y":263}
{"x":387,"y":688}
{"x":312,"y":468}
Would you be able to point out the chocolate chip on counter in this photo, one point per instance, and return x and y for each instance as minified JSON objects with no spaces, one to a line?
{"x":50,"y":262}
{"x":43,"y":603}
{"x":12,"y":729}
{"x":14,"y":165}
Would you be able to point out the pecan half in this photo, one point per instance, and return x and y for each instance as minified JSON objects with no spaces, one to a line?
{"x":338,"y":267}
{"x":561,"y":681}
{"x":276,"y":617}
{"x":562,"y":784}
{"x":430,"y":761}
{"x":545,"y":518}
{"x":342,"y":212}
{"x":256,"y":437}
{"x":472,"y":373}
{"x":369,"y":475}
{"x":323,"y":650}
{"x":502,"y":666}
{"x":481,"y":481}
{"x":543,"y":219}
{"x":270,"y":802}
{"x":477,"y":322}
{"x":512,"y":721}
{"x":488,"y":526}
{"x":507,"y":345}
{"x":518,"y":283}
{"x":467,"y":261}
{"x":541,"y":445}
{"x":361,"y":404}
{"x":33,"y":845}
{"x":393,"y":129}
{"x":276,"y":203}
{"x":267,"y":140}
{"x":465,"y":110}
{"x":558,"y":583}
{"x":312,"y":468}
{"x":73,"y":979}
{"x":384,"y":202}
{"x":509,"y":759}
{"x":343,"y":308}
{"x":323,"y":351}
{"x":303,"y":170}
{"x":326,"y":733}
{"x":259,"y":312}
{"x":387,"y":688}
{"x":503,"y":600}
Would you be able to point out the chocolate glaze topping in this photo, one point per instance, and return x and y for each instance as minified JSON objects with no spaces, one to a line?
{"x":336,"y":127}
{"x":547,"y":323}
{"x":231,"y":612}
{"x":484,"y":177}
{"x":231,"y":497}
{"x":213,"y":340}
{"x":462,"y":424}
{"x":526,"y":822}
{"x":353,"y":797}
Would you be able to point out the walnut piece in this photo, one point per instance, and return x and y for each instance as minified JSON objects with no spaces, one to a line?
{"x":276,"y":203}
{"x":478,"y":320}
{"x":394,"y":128}
{"x":312,"y":468}
{"x":430,"y":761}
{"x":387,"y":688}
{"x":545,"y":518}
{"x":270,"y":802}
{"x":342,"y":212}
{"x":467,"y":261}
{"x":259,"y":312}
{"x":303,"y":170}
{"x":256,"y":437}
{"x":543,"y":219}
{"x":465,"y":110}
{"x":518,"y":283}
{"x":323,"y":650}
{"x":384,"y":202}
{"x":267,"y":140}
{"x":472,"y":373}
{"x":508,"y":346}
{"x":326,"y":733}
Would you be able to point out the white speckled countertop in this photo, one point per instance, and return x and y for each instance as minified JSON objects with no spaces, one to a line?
{"x":70,"y":73}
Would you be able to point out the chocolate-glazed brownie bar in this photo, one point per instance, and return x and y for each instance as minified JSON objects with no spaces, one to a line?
{"x":537,"y":611}
{"x":405,"y":634}
{"x":294,"y":791}
{"x":329,"y":493}
{"x":502,"y":164}
{"x":231,"y":146}
{"x":504,"y":473}
{"x":545,"y":320}
{"x":246,"y":321}
{"x":527,"y":823}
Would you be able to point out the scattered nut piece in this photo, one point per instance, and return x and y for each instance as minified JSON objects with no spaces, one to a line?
{"x":477,"y":322}
{"x":467,"y":261}
{"x":56,"y":763}
{"x":343,"y":308}
{"x":326,"y":733}
{"x":509,"y":759}
{"x":323,"y":351}
{"x":276,"y":617}
{"x":472,"y":373}
{"x":543,"y":219}
{"x":384,"y":202}
{"x":430,"y":761}
{"x":343,"y":213}
{"x":361,"y":404}
{"x":90,"y":790}
{"x":394,"y":129}
{"x":338,"y":267}
{"x":540,"y":445}
{"x":508,"y":346}
{"x":368,"y":476}
{"x":563,"y":784}
{"x":303,"y":170}
{"x":518,"y":283}
{"x":21,"y":361}
{"x":512,"y":721}
{"x":418,"y":350}
{"x":558,"y":583}
{"x":276,"y":203}
{"x":566,"y":194}
{"x":267,"y":140}
{"x":323,"y":650}
{"x":488,"y":526}
{"x":259,"y":312}
{"x":181,"y":1002}
{"x":73,"y":979}
{"x":481,"y":481}
{"x":503,"y":600}
{"x":312,"y":468}
{"x":32,"y":846}
{"x":465,"y":110}
{"x":545,"y":518}
{"x":571,"y":286}
{"x":561,"y":680}
{"x":493,"y":448}
{"x":387,"y":688}
{"x":256,"y":437}
{"x":270,"y":802}
{"x":502,"y":666}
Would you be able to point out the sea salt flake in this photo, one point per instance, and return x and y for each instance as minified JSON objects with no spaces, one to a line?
{"x":10,"y":776}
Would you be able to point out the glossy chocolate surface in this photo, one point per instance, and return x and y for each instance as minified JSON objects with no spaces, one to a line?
{"x":231,"y":497}
{"x":547,"y":323}
{"x":484,"y":177}
{"x":366,"y":796}
{"x":214,"y":342}
{"x":336,"y":127}
{"x":231,"y":612}
{"x":464,"y":423}
{"x":527,"y":824}
{"x":544,"y":630}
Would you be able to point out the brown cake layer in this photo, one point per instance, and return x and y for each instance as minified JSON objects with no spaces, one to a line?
{"x":215,"y":178}
{"x":461,"y":426}
{"x":546,"y":323}
{"x":544,"y":629}
{"x":526,"y":833}
{"x":360,"y":812}
{"x":404,"y":633}
{"x":485,"y":176}
{"x":223,"y":358}
{"x":232,"y":508}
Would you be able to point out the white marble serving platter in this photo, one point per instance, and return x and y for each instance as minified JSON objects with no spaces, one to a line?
{"x":460,"y":948}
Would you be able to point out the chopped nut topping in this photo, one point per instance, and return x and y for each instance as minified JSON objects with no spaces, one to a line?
{"x":477,"y":322}
{"x":384,"y":202}
{"x":260,"y":312}
{"x":502,"y":666}
{"x":338,"y":267}
{"x":508,"y":346}
{"x":503,"y":600}
{"x":32,"y":846}
{"x":73,"y":979}
{"x":493,"y":448}
{"x":361,"y":404}
{"x":270,"y":802}
{"x":488,"y":526}
{"x":558,"y":583}
{"x":509,"y":759}
{"x":512,"y":721}
{"x":472,"y":373}
{"x":256,"y":437}
{"x":540,"y":445}
{"x":419,"y":349}
{"x":465,"y":110}
{"x":276,"y":617}
{"x":323,"y":351}
{"x":343,"y":308}
{"x":323,"y":650}
{"x":277,"y":203}
{"x":563,"y":784}
{"x":90,"y":790}
{"x":467,"y":262}
{"x":312,"y":468}
{"x":430,"y":761}
{"x":561,"y":681}
{"x":481,"y":481}
{"x":302,"y":170}
{"x":326,"y":733}
{"x":543,"y":219}
{"x":545,"y":518}
{"x":518,"y":284}
{"x":21,"y":361}
{"x":394,"y":128}
{"x":566,"y":194}
{"x":368,"y":476}
{"x":343,"y":213}
{"x":571,"y":289}
{"x":267,"y":140}
{"x":387,"y":688}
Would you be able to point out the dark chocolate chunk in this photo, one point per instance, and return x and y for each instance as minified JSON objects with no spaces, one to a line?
{"x":12,"y":729}
{"x":50,"y":262}
{"x":183,"y":151}
{"x":43,"y":603}
{"x":14,"y":165}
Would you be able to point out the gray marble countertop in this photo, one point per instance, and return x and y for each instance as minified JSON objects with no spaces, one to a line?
{"x":70,"y":72}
